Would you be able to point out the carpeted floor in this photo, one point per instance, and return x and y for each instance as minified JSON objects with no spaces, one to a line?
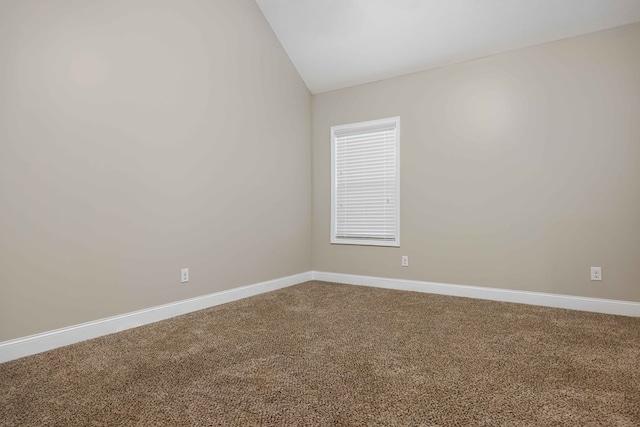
{"x":322,"y":354}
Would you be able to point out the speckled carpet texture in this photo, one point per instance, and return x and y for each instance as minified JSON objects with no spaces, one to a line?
{"x":324,"y":354}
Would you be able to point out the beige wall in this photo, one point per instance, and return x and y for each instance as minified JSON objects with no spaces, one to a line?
{"x":519,"y":170}
{"x":138,"y":137}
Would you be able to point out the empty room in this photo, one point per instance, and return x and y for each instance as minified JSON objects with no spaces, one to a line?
{"x":320,"y":213}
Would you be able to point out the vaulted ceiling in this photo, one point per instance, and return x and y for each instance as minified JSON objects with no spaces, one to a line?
{"x":341,"y":43}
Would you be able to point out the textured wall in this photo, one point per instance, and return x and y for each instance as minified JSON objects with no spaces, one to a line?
{"x":138,"y":137}
{"x":519,"y":170}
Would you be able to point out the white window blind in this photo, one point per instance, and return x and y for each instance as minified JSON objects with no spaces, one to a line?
{"x":365,"y":178}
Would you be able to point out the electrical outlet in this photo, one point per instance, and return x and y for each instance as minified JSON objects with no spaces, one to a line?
{"x":184,"y":275}
{"x":596,"y":273}
{"x":405,"y":261}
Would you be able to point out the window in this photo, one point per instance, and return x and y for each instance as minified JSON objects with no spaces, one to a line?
{"x":365,"y":183}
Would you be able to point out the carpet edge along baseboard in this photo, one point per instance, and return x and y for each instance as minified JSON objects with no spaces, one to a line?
{"x":25,"y":346}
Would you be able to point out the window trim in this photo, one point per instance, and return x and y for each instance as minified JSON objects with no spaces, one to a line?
{"x":363,"y":126}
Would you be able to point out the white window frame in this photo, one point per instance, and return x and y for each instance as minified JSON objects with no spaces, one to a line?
{"x":337,"y":131}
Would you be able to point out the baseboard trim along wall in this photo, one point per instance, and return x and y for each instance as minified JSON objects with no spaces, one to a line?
{"x":38,"y":343}
{"x":14,"y":349}
{"x":597,"y":305}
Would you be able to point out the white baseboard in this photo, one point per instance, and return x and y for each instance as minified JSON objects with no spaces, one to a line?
{"x":623,"y":308}
{"x":38,"y":343}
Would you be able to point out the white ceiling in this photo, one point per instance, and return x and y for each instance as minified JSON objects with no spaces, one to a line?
{"x":341,"y":43}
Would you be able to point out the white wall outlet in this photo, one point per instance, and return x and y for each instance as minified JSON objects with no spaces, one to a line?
{"x":405,"y":261}
{"x":596,"y":273}
{"x":184,"y":275}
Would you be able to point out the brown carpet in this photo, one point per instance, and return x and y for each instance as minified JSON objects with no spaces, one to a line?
{"x":323,"y":354}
